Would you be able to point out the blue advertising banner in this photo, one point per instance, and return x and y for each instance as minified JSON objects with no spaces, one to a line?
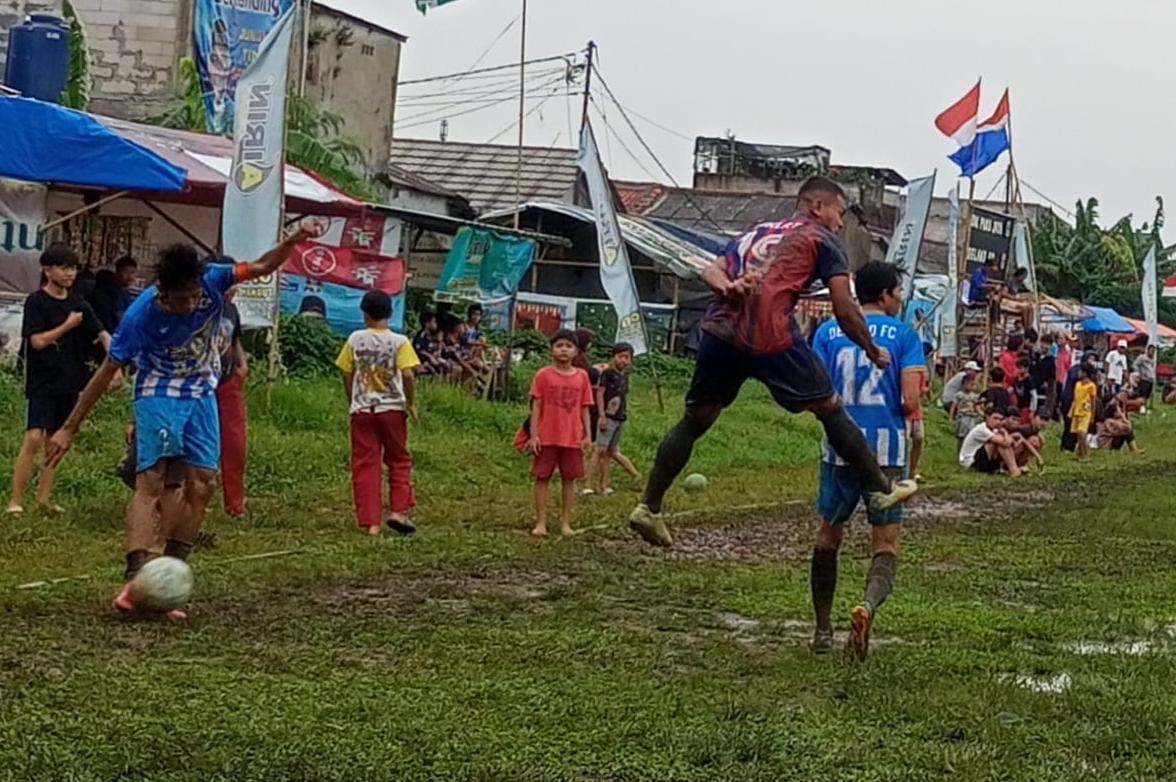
{"x":338,"y":304}
{"x":228,"y":34}
{"x":484,"y":266}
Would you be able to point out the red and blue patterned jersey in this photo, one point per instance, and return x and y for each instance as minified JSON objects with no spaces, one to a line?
{"x":787,"y":256}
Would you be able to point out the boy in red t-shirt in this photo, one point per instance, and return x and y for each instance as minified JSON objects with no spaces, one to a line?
{"x":560,"y":398}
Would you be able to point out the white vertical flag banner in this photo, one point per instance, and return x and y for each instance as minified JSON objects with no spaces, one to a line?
{"x":1021,"y":255}
{"x":908,"y":234}
{"x":252,"y":217}
{"x":947,"y":322}
{"x":616,"y":275}
{"x":1149,"y":295}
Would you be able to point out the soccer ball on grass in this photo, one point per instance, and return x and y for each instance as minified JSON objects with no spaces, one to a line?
{"x":163,"y":584}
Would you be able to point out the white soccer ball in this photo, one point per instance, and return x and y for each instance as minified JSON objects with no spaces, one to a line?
{"x":163,"y":584}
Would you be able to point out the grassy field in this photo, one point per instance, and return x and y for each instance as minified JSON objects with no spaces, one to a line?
{"x":1030,"y":636}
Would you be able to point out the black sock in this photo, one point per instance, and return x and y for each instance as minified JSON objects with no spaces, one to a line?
{"x":880,"y":579}
{"x":180,"y":549}
{"x":135,"y":561}
{"x":823,"y":579}
{"x":672,"y":457}
{"x":850,"y":444}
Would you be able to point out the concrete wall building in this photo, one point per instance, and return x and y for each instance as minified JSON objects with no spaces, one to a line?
{"x":351,"y":67}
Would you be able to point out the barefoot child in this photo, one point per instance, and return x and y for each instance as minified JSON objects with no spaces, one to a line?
{"x":560,"y":397}
{"x":378,"y":365}
{"x":59,"y":329}
{"x":612,"y":400}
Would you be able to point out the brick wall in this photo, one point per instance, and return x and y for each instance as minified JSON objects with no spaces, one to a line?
{"x":13,"y":12}
{"x":136,"y":46}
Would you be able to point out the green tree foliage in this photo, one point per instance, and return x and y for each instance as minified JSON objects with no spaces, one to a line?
{"x":314,"y":139}
{"x":186,"y":112}
{"x":1096,"y":265}
{"x":76,"y":94}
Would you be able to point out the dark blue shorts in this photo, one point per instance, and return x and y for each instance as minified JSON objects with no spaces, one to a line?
{"x":796,"y":377}
{"x":842,"y":489}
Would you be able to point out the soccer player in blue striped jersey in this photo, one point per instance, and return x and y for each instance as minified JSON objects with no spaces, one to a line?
{"x":171,"y":334}
{"x":878,"y":401}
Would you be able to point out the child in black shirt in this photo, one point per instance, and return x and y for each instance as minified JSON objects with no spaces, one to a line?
{"x":58,"y":331}
{"x":612,"y":402}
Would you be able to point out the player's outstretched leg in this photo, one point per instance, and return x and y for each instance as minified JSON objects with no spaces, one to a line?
{"x":847,"y":440}
{"x":672,"y":457}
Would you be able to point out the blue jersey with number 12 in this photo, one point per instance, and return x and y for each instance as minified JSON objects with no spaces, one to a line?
{"x":872,"y":397}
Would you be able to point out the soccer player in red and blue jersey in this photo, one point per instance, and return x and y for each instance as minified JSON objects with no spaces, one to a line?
{"x":171,"y":334}
{"x":879,"y":401}
{"x":750,"y":332}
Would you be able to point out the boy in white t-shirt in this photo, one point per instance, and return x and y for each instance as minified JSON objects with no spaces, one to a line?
{"x":378,"y":377}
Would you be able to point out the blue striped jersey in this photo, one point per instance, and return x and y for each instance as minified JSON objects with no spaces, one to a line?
{"x":176,"y":356}
{"x":872,"y":397}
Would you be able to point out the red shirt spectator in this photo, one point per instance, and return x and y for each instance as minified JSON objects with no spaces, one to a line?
{"x":563,"y":397}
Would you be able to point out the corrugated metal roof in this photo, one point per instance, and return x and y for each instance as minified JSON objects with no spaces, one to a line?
{"x":677,"y":256}
{"x":485,"y":173}
{"x":728,"y":211}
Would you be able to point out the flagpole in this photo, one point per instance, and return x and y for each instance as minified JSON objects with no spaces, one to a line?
{"x":657,"y":384}
{"x":512,"y":305}
{"x":522,"y":110}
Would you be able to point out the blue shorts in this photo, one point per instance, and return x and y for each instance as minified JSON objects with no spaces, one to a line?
{"x":168,"y":428}
{"x":841,"y":490}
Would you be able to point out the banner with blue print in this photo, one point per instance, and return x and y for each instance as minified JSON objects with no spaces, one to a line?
{"x":228,"y":34}
{"x":337,"y":304}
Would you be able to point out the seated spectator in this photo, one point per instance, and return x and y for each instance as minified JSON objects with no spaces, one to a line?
{"x":471,"y":338}
{"x":955,"y":384}
{"x":989,"y":449}
{"x":1169,"y":391}
{"x":427,"y":344}
{"x":457,"y":357}
{"x":1115,"y":429}
{"x":966,"y":409}
{"x":1017,"y":295}
{"x":996,"y":397}
{"x":981,"y":283}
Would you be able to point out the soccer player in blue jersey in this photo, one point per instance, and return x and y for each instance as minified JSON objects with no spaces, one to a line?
{"x":879,"y":401}
{"x":171,"y":334}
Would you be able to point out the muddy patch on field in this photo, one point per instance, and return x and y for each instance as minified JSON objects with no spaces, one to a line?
{"x":785,"y":532}
{"x":779,"y":539}
{"x":458,"y":593}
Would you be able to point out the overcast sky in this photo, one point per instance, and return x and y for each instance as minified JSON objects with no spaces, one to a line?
{"x":1091,"y":81}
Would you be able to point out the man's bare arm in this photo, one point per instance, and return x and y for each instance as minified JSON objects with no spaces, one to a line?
{"x":912,"y":391}
{"x":853,"y":323}
{"x":273,"y":260}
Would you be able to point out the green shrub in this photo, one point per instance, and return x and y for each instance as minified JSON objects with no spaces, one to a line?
{"x":308,"y":346}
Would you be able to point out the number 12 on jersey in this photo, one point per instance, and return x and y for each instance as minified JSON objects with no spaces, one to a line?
{"x":859,"y":378}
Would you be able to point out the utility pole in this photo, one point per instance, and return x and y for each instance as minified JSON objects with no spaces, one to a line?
{"x":587,"y":84}
{"x":522,"y":108}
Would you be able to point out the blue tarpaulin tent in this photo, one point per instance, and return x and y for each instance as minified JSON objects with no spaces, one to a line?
{"x":43,"y":142}
{"x":1106,"y":320}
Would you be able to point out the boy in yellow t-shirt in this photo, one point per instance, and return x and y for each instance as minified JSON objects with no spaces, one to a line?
{"x":1082,"y":410}
{"x":378,"y":377}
